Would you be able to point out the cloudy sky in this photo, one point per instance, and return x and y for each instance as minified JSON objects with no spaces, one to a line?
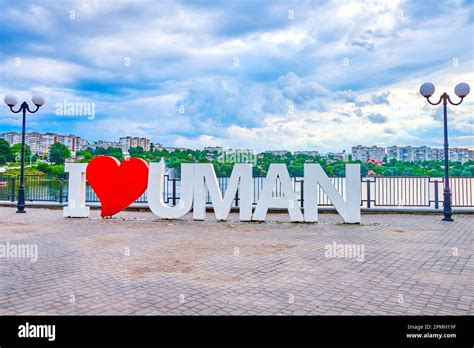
{"x":292,"y":75}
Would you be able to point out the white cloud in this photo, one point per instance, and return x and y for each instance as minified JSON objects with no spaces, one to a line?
{"x":312,"y":81}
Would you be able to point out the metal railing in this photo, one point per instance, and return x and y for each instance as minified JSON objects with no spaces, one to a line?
{"x":375,"y":191}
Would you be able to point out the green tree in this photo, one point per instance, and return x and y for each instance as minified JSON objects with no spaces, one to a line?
{"x":136,"y":151}
{"x":295,"y":164}
{"x":16,"y":151}
{"x":6,"y":151}
{"x":364,"y":170}
{"x":58,"y":153}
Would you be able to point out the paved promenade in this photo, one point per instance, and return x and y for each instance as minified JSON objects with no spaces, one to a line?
{"x":136,"y":264}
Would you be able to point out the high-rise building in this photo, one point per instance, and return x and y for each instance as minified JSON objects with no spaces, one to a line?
{"x":409,"y":153}
{"x":364,"y":153}
{"x":69,"y":141}
{"x":400,"y":153}
{"x":126,"y":143}
{"x":425,"y":153}
{"x":40,"y":143}
{"x":33,"y":140}
{"x":46,"y":141}
{"x":437,"y":154}
{"x":458,"y":154}
{"x":11,"y":137}
{"x":421,"y":153}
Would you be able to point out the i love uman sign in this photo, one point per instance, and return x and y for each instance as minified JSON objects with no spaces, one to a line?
{"x":118,"y":185}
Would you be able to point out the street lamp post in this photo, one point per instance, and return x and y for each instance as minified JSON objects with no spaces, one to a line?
{"x":11,"y":101}
{"x":461,"y":90}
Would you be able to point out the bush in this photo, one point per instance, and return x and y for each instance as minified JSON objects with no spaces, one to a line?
{"x":57,"y":169}
{"x":43,"y":167}
{"x":53,"y":169}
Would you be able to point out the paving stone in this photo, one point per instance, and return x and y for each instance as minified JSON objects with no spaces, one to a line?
{"x":282,"y":268}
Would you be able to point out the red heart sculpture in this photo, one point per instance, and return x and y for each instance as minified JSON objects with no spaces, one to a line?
{"x":117,"y":184}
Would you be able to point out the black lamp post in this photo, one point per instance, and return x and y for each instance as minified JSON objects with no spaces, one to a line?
{"x":461,"y":90}
{"x":11,"y":101}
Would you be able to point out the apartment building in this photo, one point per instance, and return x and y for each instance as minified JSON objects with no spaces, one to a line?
{"x":425,"y":153}
{"x":40,"y":143}
{"x":364,"y":153}
{"x":69,"y":140}
{"x":458,"y":154}
{"x":11,"y":137}
{"x":125,"y":143}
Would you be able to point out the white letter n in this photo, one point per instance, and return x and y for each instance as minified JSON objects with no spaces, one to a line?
{"x":349,"y":209}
